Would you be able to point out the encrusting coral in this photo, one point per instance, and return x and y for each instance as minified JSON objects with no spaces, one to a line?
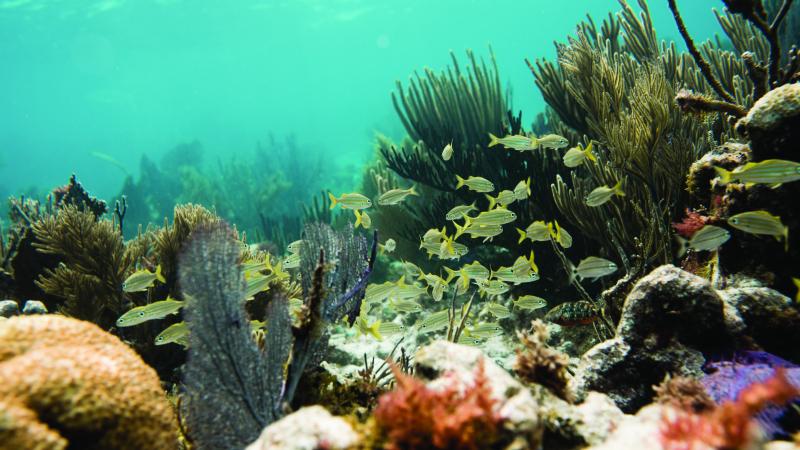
{"x":71,"y":385}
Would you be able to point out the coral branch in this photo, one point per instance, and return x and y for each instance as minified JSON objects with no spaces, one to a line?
{"x":691,"y":102}
{"x":705,"y":68}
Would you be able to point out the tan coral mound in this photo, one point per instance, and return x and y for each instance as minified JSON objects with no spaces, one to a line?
{"x":68,"y":383}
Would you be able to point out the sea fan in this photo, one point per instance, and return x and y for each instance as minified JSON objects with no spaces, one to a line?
{"x":232,"y":389}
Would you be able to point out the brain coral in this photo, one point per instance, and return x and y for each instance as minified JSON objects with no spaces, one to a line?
{"x":68,"y":384}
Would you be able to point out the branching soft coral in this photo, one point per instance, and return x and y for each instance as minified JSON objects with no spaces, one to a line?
{"x":414,"y":416}
{"x":730,"y":425}
{"x":538,"y":363}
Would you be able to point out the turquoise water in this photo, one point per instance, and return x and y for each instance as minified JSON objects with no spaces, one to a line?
{"x":132,"y":78}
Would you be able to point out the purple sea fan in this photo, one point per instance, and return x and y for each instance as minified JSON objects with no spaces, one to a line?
{"x":727,"y":378}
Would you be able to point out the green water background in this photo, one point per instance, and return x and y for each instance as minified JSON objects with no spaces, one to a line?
{"x":127,"y":78}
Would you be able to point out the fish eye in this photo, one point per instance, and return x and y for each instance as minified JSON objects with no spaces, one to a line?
{"x":734,"y":221}
{"x":159,"y":339}
{"x":141,"y":314}
{"x":611,"y":265}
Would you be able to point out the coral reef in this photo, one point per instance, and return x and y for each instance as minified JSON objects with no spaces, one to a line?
{"x":671,"y":322}
{"x":75,"y":386}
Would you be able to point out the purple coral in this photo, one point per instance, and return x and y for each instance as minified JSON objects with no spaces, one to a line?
{"x":728,"y":378}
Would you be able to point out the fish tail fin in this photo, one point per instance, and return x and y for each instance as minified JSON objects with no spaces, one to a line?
{"x":724,"y":175}
{"x":492,"y":201}
{"x":588,"y":152}
{"x":374,"y":330}
{"x":528,"y":185}
{"x":522,"y":235}
{"x":450,"y":274}
{"x":494,"y":140}
{"x":412,"y":191}
{"x":401,"y":281}
{"x":534,"y":267}
{"x":358,"y":219}
{"x":461,"y":182}
{"x":682,"y":246}
{"x":459,"y":230}
{"x":333,"y":200}
{"x":159,"y":275}
{"x":618,"y":189}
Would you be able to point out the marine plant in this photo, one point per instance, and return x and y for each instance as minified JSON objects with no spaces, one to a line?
{"x":615,"y":86}
{"x":93,"y":262}
{"x":451,"y":417}
{"x":459,"y":107}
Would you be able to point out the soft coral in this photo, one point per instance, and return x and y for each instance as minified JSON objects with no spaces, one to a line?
{"x":416,"y":417}
{"x":730,"y":425}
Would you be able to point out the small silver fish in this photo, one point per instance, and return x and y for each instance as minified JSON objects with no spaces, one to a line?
{"x":497,"y":216}
{"x":257,"y":283}
{"x":350,"y":201}
{"x":536,"y":231}
{"x":523,"y":189}
{"x":391,"y":328}
{"x":433,"y":235}
{"x":577,"y":155}
{"x":485,"y":330}
{"x":295,"y":246}
{"x":389,"y":246}
{"x":530,"y":302}
{"x":770,"y":171}
{"x":152,"y":311}
{"x":516,"y":142}
{"x":709,"y":237}
{"x":760,"y":222}
{"x":433,"y":322}
{"x":379,"y":292}
{"x":493,"y":287}
{"x":460,"y":211}
{"x":498,"y":310}
{"x":292,"y":261}
{"x":595,"y":267}
{"x":447,"y":152}
{"x":600,"y":195}
{"x":477,"y":184}
{"x":504,"y":198}
{"x":552,"y":141}
{"x":142,"y":279}
{"x":561,"y":235}
{"x":177,"y":333}
{"x":395,"y":196}
{"x":472,"y":341}
{"x":405,"y":306}
{"x":362,"y":219}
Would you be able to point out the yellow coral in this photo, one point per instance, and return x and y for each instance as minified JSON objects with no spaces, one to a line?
{"x":70,"y":383}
